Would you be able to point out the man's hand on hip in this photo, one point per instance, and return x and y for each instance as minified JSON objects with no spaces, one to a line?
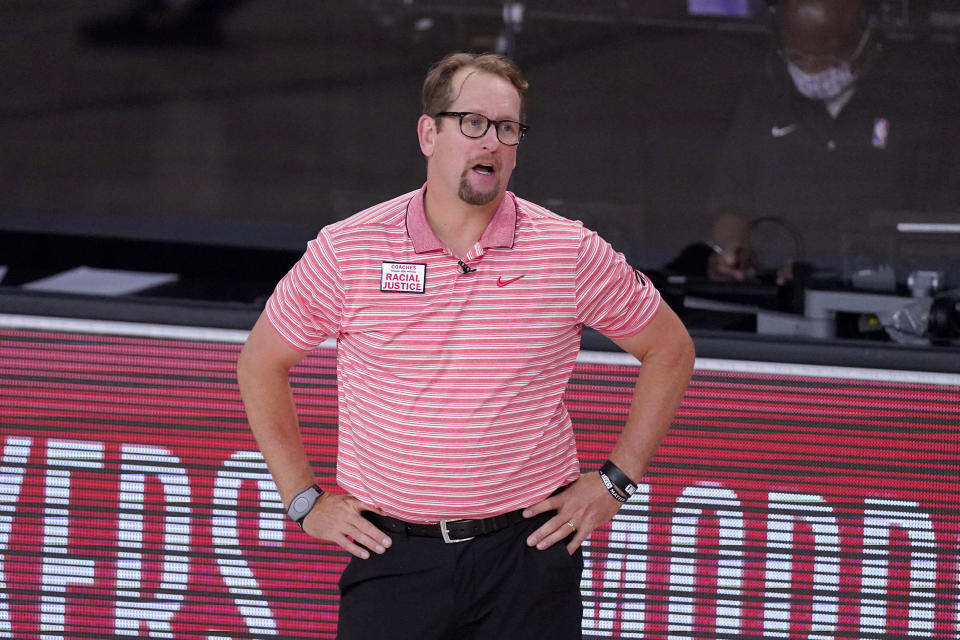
{"x":581,"y":507}
{"x":338,"y":518}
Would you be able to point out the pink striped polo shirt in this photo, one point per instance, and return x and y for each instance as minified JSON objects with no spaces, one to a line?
{"x":450,"y":384}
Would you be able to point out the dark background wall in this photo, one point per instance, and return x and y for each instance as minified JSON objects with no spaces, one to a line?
{"x":307,"y":113}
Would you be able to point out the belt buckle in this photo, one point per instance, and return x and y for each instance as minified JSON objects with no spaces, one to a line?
{"x":445,"y":533}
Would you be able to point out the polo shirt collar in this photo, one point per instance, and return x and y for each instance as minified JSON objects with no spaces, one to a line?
{"x":499,"y":232}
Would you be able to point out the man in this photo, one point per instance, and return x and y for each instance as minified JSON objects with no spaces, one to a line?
{"x":724,"y":257}
{"x":826,"y":46}
{"x":458,"y":309}
{"x":840,"y":124}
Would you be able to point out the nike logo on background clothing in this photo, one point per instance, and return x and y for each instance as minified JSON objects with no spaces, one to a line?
{"x":502,"y":283}
{"x":779,"y":132}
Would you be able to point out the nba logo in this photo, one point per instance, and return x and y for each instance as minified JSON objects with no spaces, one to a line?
{"x":881,"y":128}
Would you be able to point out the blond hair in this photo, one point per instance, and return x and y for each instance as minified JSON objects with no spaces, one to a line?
{"x":437,"y":94}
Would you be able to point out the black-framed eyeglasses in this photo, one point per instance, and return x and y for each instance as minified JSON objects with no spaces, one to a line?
{"x":474,"y":125}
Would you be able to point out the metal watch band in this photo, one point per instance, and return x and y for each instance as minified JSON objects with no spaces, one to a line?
{"x":303,"y":502}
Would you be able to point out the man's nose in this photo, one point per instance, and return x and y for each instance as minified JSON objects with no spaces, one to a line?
{"x":489,"y":139}
{"x":812,"y":64}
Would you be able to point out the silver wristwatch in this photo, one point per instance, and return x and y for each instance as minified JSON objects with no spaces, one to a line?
{"x":302,"y":503}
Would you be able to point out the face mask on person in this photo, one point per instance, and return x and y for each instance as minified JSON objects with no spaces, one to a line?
{"x":822,"y":85}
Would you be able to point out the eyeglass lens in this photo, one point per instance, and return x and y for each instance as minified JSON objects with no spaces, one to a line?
{"x":474,"y":125}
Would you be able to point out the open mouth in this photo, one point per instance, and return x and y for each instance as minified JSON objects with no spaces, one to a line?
{"x":483,"y":168}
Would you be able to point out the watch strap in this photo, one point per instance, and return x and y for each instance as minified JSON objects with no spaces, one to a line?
{"x":618,"y":484}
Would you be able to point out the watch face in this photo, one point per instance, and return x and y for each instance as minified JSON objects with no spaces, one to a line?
{"x":303,"y":502}
{"x":300,"y":504}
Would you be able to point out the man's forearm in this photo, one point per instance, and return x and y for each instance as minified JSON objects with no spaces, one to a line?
{"x":271,"y":413}
{"x":651,"y":413}
{"x":660,"y":386}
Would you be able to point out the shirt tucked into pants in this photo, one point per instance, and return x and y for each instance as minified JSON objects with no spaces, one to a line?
{"x":493,"y":586}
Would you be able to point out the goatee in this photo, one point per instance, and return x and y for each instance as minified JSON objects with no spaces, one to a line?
{"x":472,"y":196}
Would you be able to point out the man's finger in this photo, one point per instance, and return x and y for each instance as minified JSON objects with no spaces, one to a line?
{"x":552,"y":531}
{"x":575,"y":543}
{"x":339,"y":519}
{"x":353,"y":548}
{"x":369,"y":536}
{"x":540,"y":507}
{"x":364,"y":531}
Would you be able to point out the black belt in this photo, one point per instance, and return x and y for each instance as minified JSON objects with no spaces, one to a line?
{"x":449,"y":530}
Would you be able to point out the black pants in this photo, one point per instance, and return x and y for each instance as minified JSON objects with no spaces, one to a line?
{"x":491,"y":587}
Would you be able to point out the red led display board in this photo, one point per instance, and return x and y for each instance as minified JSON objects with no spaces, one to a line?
{"x":787,"y":501}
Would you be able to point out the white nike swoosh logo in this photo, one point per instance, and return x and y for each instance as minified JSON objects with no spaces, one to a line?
{"x":779,"y":132}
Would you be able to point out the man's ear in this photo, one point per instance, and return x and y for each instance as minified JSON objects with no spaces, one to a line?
{"x":427,"y":134}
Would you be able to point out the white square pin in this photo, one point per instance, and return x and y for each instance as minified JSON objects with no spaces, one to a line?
{"x":403,"y":277}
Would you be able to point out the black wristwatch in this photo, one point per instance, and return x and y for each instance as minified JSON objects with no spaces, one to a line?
{"x":302,"y":503}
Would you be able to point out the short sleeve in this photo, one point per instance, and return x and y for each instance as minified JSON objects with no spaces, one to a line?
{"x":307,"y":304}
{"x":612,"y":297}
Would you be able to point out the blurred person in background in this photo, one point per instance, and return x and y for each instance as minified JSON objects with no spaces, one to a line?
{"x":723,"y":257}
{"x":841,"y":123}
